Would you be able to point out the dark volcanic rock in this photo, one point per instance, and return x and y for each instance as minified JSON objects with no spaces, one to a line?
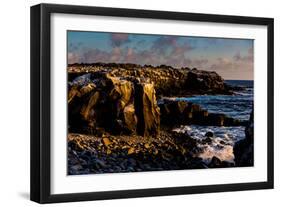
{"x":174,"y":112}
{"x":147,"y":110}
{"x":244,"y":149}
{"x":117,"y":105}
{"x":131,"y":153}
{"x":217,"y":163}
{"x":204,"y":81}
{"x":209,"y":134}
{"x":168,"y":81}
{"x":121,"y":98}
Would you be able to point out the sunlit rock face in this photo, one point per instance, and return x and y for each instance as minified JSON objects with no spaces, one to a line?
{"x":114,"y":104}
{"x":147,"y":110}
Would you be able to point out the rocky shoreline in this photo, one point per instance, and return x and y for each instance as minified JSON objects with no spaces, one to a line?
{"x":119,"y":120}
{"x":112,"y":154}
{"x":168,"y":81}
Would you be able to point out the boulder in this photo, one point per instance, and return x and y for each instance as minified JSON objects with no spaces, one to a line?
{"x":216,"y":119}
{"x":189,"y":144}
{"x":217,"y":163}
{"x":209,"y":134}
{"x":244,"y":149}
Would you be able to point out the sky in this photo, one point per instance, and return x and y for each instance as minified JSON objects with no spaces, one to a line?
{"x":230,"y":58}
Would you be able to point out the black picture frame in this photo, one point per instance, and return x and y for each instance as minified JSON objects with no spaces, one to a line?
{"x":40,"y":102}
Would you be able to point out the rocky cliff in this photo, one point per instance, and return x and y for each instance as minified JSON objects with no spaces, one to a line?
{"x":120,"y":105}
{"x":124,"y":99}
{"x":168,"y":81}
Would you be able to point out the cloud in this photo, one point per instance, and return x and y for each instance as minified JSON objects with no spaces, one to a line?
{"x":72,"y":47}
{"x":163,"y":43}
{"x":233,"y":67}
{"x":118,"y":39}
{"x":247,"y":58}
{"x":166,"y":50}
{"x":73,"y":58}
{"x":174,"y":57}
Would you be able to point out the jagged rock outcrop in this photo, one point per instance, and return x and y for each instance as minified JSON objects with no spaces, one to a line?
{"x":174,"y":112}
{"x":118,"y":105}
{"x":168,"y":81}
{"x":122,"y":99}
{"x":147,"y":110}
{"x":206,"y":82}
{"x":244,"y":149}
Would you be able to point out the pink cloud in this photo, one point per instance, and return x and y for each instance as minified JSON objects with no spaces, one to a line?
{"x":117,"y":39}
{"x":232,"y":68}
{"x":73,"y":58}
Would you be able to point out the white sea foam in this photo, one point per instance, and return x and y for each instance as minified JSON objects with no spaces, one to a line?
{"x":222,"y":142}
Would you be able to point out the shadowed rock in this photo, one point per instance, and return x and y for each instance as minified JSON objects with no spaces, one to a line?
{"x":244,"y":149}
{"x":118,"y":105}
{"x":174,"y":112}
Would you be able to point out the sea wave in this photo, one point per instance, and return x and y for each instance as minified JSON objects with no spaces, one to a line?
{"x":221,"y":144}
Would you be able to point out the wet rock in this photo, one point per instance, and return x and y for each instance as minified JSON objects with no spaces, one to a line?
{"x":244,"y":149}
{"x":223,"y":142}
{"x":184,"y":140}
{"x":207,"y":140}
{"x":209,"y":134}
{"x":216,"y":119}
{"x":178,"y":112}
{"x":215,"y":163}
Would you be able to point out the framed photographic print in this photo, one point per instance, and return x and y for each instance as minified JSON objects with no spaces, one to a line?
{"x":132,"y":103}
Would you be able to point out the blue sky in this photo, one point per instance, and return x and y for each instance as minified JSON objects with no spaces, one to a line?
{"x":231,"y":58}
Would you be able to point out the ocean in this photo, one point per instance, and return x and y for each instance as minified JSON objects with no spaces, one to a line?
{"x":239,"y":106}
